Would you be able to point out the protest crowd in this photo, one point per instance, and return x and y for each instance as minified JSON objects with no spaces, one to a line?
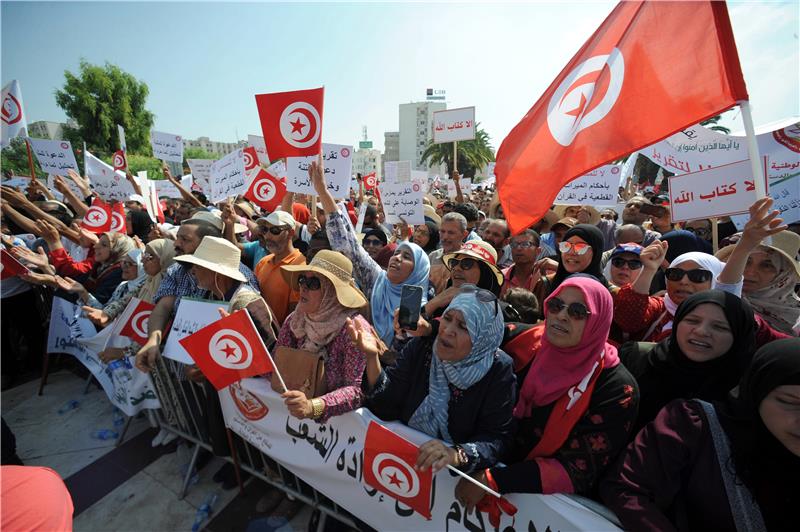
{"x":650,"y":367}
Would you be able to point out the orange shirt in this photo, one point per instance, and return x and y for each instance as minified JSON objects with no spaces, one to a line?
{"x":274,"y":289}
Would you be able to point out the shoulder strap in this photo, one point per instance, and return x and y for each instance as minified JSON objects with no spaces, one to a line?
{"x":744,"y":508}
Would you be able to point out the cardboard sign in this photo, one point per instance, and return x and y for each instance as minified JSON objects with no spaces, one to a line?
{"x":166,"y":189}
{"x":402,"y":202}
{"x":338,"y":162}
{"x":453,"y":125}
{"x":54,"y":156}
{"x":228,"y":177}
{"x":397,"y":171}
{"x":167,"y":147}
{"x":109,"y":184}
{"x":201,"y":171}
{"x":598,"y":187}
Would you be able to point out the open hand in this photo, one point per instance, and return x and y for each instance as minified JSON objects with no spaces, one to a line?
{"x":365,"y":338}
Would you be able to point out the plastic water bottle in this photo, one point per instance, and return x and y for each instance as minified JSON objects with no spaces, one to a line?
{"x":205,"y":510}
{"x":119,"y":418}
{"x":105,"y":434}
{"x":69,"y":405}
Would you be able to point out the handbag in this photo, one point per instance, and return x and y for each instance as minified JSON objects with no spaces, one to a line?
{"x":301,"y":370}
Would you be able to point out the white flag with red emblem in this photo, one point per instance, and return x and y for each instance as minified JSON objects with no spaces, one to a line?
{"x":229,"y":350}
{"x":132,"y":323}
{"x":98,"y":219}
{"x":13,"y":117}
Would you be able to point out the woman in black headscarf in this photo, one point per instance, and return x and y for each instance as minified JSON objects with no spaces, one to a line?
{"x":426,"y":236}
{"x":712,"y":342}
{"x":580,"y":251}
{"x":722,"y":466}
{"x":139,"y":224}
{"x":680,"y":242}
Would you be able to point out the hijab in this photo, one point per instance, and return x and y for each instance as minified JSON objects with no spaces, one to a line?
{"x":765,"y":466}
{"x":704,"y":261}
{"x":433,"y":239}
{"x":386,"y":295}
{"x":140,"y":224}
{"x":592,"y":236}
{"x":778,"y":303}
{"x":165,"y":251}
{"x":665,"y":373}
{"x":682,"y":241}
{"x":315,"y":330}
{"x":120,"y":245}
{"x":555,"y":370}
{"x":485,"y":326}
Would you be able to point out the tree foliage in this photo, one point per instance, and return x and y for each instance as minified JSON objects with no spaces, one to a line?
{"x":15,"y":159}
{"x":713,"y":124}
{"x":473,"y":155}
{"x":97,"y":99}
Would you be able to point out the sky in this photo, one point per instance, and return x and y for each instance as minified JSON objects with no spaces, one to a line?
{"x":204,"y":61}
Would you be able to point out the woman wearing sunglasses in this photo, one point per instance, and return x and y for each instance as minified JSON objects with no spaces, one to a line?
{"x":624,"y":266}
{"x":457,"y":386}
{"x":577,"y":402}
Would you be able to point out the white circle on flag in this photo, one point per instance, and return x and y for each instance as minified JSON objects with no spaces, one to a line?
{"x":117,"y":222}
{"x":119,"y":160}
{"x":12,"y":112}
{"x":571,"y":108}
{"x":300,"y":124}
{"x":95,"y":217}
{"x":139,"y":322}
{"x":264,"y":190}
{"x":230,"y":349}
{"x":396,"y":475}
{"x":248,"y":160}
{"x":371,"y":181}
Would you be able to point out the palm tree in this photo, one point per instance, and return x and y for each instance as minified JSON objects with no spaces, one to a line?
{"x":473,"y":155}
{"x":713,"y":122}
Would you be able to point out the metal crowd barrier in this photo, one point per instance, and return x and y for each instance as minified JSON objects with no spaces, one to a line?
{"x":187,"y":411}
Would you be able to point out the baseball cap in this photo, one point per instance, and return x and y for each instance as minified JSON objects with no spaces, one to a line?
{"x":279,"y":218}
{"x":629,"y":247}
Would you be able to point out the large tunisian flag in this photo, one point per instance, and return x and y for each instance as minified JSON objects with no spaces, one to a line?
{"x":651,"y":69}
{"x":291,"y":122}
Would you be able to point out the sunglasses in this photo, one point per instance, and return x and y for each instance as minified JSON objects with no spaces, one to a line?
{"x":275,"y":230}
{"x":695,"y":276}
{"x":698,"y":231}
{"x":525,"y":245}
{"x":576,"y":310}
{"x":483,"y":295}
{"x":578,"y":248}
{"x":310,"y":283}
{"x":372,"y":242}
{"x":464,"y":264}
{"x":619,"y":262}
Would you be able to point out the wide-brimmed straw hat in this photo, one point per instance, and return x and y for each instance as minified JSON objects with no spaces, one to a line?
{"x":594,"y":214}
{"x":336,"y":268}
{"x":217,"y":255}
{"x":787,"y":243}
{"x":480,"y":250}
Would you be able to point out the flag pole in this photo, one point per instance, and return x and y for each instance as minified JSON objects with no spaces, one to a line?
{"x":30,"y":159}
{"x":715,"y":233}
{"x":484,"y":487}
{"x":752,"y":149}
{"x":455,"y":159}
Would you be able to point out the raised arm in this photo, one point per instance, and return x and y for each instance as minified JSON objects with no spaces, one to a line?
{"x":77,"y":204}
{"x":185,"y":194}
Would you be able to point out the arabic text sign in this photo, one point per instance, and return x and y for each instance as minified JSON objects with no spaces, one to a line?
{"x":109,"y":184}
{"x":338,"y":162}
{"x":201,"y":171}
{"x":228,"y":177}
{"x":402,"y":202}
{"x":720,"y":191}
{"x":598,"y":187}
{"x":397,"y":171}
{"x":454,"y":124}
{"x":54,"y":156}
{"x":165,"y":188}
{"x":261,"y":148}
{"x":167,"y":147}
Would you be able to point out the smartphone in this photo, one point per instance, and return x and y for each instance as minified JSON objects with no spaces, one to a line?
{"x":656,"y":211}
{"x":410,"y":303}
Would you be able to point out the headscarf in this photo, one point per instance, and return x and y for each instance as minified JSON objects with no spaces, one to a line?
{"x":555,"y":370}
{"x":433,"y":239}
{"x":318,"y":329}
{"x":386,"y":295}
{"x":126,"y":289}
{"x":485,"y":327}
{"x":768,"y":469}
{"x":665,"y":373}
{"x":681,"y":242}
{"x":165,"y":251}
{"x":592,"y":236}
{"x":777,"y":303}
{"x":120,"y":245}
{"x":141,"y":224}
{"x":704,"y":262}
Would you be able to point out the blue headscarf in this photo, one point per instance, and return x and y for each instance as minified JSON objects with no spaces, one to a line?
{"x":386,"y":295}
{"x":485,"y":327}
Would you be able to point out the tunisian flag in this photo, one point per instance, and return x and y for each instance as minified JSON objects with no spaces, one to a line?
{"x":229,"y":350}
{"x":651,"y":69}
{"x":133,"y":322}
{"x":389,"y":467}
{"x":291,"y":122}
{"x":266,"y":190}
{"x":98,"y":219}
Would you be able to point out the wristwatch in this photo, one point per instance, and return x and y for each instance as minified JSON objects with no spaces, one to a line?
{"x":461,"y":456}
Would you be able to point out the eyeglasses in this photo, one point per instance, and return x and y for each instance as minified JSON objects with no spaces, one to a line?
{"x":129,"y":264}
{"x":607,"y":216}
{"x":483,"y":295}
{"x":578,"y":248}
{"x":619,"y":262}
{"x":464,"y":264}
{"x":695,"y":276}
{"x":575,"y":310}
{"x":525,"y":245}
{"x":372,"y":242}
{"x":310,"y":283}
{"x":698,"y":231}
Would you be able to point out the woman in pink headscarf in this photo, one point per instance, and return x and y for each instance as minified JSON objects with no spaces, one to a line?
{"x":577,"y":403}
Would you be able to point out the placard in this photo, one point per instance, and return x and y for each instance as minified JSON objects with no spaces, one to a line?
{"x":598,"y":187}
{"x":109,"y":184}
{"x":397,"y":171}
{"x":54,"y":156}
{"x":338,"y":162}
{"x":453,"y":125}
{"x":121,"y":134}
{"x":166,"y":189}
{"x":402,"y":202}
{"x":261,"y":148}
{"x":167,"y":146}
{"x":201,"y":172}
{"x":228,"y":177}
{"x":191,"y":316}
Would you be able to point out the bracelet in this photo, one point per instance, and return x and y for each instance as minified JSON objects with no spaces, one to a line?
{"x":461,"y":456}
{"x":317,"y":407}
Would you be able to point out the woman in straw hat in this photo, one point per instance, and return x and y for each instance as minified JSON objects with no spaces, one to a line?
{"x":328,"y":299}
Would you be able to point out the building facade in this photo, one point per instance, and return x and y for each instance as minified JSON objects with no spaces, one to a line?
{"x":416,"y":131}
{"x":366,"y":161}
{"x":213,"y":146}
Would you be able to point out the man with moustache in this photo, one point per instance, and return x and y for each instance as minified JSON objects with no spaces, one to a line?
{"x":452,"y":232}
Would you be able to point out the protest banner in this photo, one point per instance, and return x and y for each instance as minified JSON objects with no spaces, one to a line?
{"x":402,"y":202}
{"x":228,"y":177}
{"x":338,"y":163}
{"x":109,"y":184}
{"x":720,"y":191}
{"x":330,"y":457}
{"x":127,"y":388}
{"x":166,"y":189}
{"x":261,"y":148}
{"x":54,"y":156}
{"x":167,"y":147}
{"x":453,"y":125}
{"x":201,"y":172}
{"x":598,"y":187}
{"x":191,"y":316}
